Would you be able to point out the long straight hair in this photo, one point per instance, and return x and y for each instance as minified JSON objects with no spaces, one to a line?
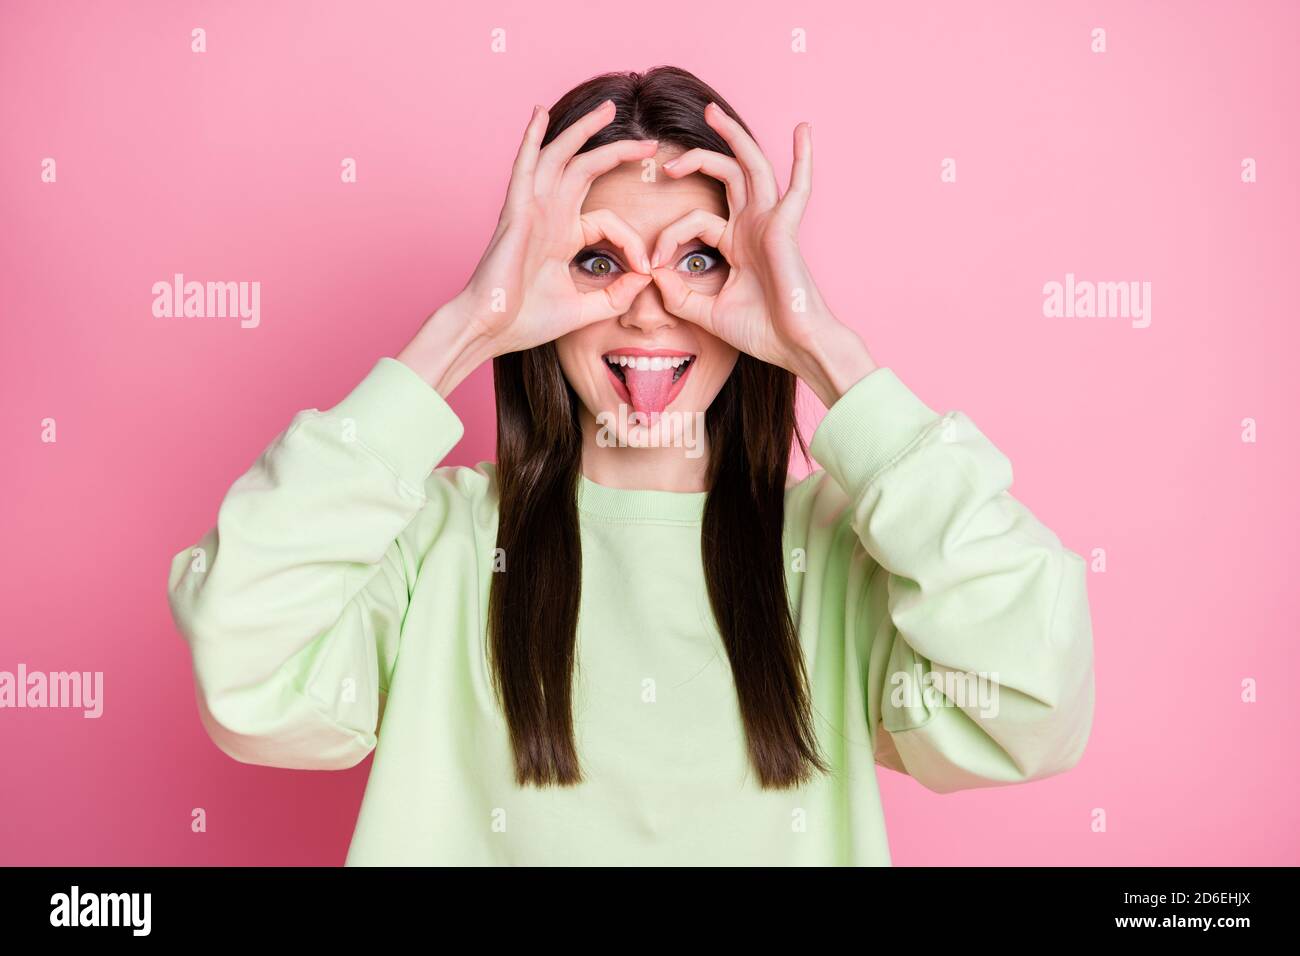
{"x":533,"y":608}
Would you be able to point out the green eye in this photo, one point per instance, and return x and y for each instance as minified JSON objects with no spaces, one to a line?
{"x":698,"y":262}
{"x":597,"y":264}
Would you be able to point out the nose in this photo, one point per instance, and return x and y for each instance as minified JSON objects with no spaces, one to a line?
{"x":647,"y":313}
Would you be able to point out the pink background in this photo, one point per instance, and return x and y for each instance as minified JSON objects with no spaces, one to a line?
{"x":225,"y":166}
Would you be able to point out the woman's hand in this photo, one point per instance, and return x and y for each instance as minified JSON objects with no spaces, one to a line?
{"x":522,"y":292}
{"x":769,"y":307}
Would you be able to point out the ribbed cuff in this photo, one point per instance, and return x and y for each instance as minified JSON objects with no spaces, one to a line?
{"x":402,"y":419}
{"x":870,"y":426}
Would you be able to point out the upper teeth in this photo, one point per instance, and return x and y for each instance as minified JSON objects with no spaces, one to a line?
{"x":644,"y":363}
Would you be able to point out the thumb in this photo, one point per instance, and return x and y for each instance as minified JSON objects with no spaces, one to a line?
{"x":681,"y":300}
{"x":613,"y":300}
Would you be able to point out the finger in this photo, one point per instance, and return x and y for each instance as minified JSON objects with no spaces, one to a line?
{"x":613,"y":300}
{"x":585,"y":167}
{"x":717,"y":165}
{"x":698,"y":223}
{"x":681,"y":300}
{"x":525,"y":165}
{"x":762,"y":181}
{"x":557,"y":153}
{"x":795,"y":199}
{"x":607,"y":224}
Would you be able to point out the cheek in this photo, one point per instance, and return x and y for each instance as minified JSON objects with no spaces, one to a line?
{"x":709,"y":283}
{"x":585,"y":281}
{"x":717,"y":368}
{"x":570,"y":355}
{"x":583,"y":370}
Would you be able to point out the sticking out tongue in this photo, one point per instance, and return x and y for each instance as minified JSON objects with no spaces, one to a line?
{"x":649,"y":388}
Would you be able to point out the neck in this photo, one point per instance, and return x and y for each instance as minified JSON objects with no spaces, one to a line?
{"x":679,"y":461}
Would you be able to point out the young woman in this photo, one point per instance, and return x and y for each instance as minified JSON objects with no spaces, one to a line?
{"x":631,"y":641}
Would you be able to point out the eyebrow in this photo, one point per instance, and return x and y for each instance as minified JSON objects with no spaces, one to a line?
{"x":702,"y":247}
{"x":599,"y":249}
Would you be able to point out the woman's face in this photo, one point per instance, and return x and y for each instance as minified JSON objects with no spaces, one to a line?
{"x":648,"y":360}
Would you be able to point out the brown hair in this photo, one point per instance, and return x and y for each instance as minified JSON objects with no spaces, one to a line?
{"x":533,"y":609}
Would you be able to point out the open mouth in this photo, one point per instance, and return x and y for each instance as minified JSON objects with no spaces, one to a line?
{"x":648,"y":380}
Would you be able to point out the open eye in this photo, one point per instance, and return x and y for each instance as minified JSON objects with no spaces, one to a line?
{"x":700,"y":261}
{"x":597,"y":263}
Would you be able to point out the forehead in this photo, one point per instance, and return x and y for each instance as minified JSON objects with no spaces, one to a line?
{"x":649,"y":206}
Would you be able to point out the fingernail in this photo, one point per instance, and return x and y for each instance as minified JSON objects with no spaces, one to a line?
{"x":671,"y":162}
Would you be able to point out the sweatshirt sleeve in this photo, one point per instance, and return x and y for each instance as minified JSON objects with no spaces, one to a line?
{"x":292,"y":605}
{"x":973,"y":619}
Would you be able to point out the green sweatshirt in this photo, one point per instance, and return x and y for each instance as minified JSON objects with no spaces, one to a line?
{"x":339,"y":607}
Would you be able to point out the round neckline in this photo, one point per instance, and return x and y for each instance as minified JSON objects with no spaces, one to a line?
{"x":639,"y":504}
